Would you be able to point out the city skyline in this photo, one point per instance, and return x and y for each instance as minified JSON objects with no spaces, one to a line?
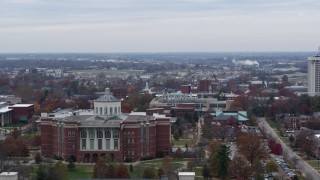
{"x":159,"y":26}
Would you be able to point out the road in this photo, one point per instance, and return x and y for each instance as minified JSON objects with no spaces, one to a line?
{"x":304,"y":167}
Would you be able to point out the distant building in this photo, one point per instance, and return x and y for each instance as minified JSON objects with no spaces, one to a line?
{"x":5,"y":114}
{"x":106,"y":133}
{"x":9,"y":176}
{"x":11,"y":99}
{"x":229,"y":117}
{"x":298,"y":90}
{"x":314,"y":75}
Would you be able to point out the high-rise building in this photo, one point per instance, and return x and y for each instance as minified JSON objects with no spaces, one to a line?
{"x":314,"y":75}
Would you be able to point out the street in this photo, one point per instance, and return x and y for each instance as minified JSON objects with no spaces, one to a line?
{"x":300,"y":164}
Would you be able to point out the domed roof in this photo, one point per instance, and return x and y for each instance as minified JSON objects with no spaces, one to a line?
{"x":107,"y":97}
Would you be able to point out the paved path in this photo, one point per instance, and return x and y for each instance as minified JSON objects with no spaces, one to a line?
{"x":304,"y":167}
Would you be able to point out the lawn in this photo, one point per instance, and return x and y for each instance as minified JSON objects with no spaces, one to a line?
{"x":81,"y":171}
{"x":181,"y":142}
{"x":108,"y":72}
{"x":315,"y":164}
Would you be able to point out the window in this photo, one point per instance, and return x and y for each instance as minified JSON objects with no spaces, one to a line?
{"x":108,"y":144}
{"x":91,"y":134}
{"x":116,"y":145}
{"x":97,"y":110}
{"x":73,"y":134}
{"x":99,"y":134}
{"x":107,"y":134}
{"x":132,"y":141}
{"x":83,"y":134}
{"x":115,"y":110}
{"x":111,"y":110}
{"x":69,"y":134}
{"x":105,"y":111}
{"x":116,"y":133}
{"x":84,"y":143}
{"x":99,"y":144}
{"x":119,"y":110}
{"x":128,"y":141}
{"x":91,"y":143}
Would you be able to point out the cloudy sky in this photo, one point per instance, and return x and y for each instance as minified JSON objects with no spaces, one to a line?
{"x":159,"y":25}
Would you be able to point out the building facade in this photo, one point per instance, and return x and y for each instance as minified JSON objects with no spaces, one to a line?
{"x":314,"y":75}
{"x":107,"y":133}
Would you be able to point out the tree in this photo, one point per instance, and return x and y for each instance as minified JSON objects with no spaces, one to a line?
{"x":305,"y":140}
{"x":71,"y":164}
{"x":272,"y":166}
{"x":111,"y":171}
{"x":206,"y":172}
{"x":42,"y":172}
{"x":250,"y":146}
{"x":15,"y":133}
{"x":166,"y":164}
{"x":131,"y":168}
{"x":213,"y":147}
{"x":160,"y":172}
{"x":38,"y":158}
{"x":100,"y":169}
{"x":220,"y":162}
{"x":149,"y":173}
{"x":123,"y":172}
{"x":240,"y":167}
{"x":58,"y":171}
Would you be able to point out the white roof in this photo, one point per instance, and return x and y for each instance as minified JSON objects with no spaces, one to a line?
{"x":5,"y":109}
{"x":138,"y":113}
{"x":186,"y":173}
{"x":21,"y":105}
{"x":9,"y":173}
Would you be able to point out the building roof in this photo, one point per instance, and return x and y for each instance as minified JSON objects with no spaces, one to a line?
{"x":5,"y":109}
{"x":107,"y":97}
{"x":224,"y":115}
{"x":22,"y":105}
{"x":98,"y":121}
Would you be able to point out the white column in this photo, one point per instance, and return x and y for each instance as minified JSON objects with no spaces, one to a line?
{"x":2,"y":119}
{"x":104,"y":139}
{"x":87,"y":140}
{"x":111,"y":139}
{"x":95,"y":139}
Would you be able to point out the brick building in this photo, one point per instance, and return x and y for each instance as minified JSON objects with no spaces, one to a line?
{"x":106,"y":133}
{"x":22,"y":112}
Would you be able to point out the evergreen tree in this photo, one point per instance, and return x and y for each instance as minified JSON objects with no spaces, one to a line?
{"x":58,"y":171}
{"x":220,"y":161}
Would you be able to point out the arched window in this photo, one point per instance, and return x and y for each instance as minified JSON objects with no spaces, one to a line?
{"x":116,"y":133}
{"x":99,"y":134}
{"x":91,"y":133}
{"x":83,"y":134}
{"x":108,"y":134}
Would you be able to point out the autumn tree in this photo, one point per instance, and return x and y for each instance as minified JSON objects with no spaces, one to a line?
{"x":250,"y":146}
{"x":213,"y":147}
{"x":100,"y":169}
{"x":166,"y":164}
{"x":122,"y":172}
{"x":240,"y":167}
{"x":305,"y":140}
{"x":272,"y":166}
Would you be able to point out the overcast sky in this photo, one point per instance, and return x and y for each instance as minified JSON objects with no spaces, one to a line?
{"x":159,"y":25}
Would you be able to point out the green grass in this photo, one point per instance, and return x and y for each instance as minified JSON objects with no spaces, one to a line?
{"x":272,"y":124}
{"x":81,"y":171}
{"x":108,"y":72}
{"x":315,"y":164}
{"x":181,"y":142}
{"x":197,"y":170}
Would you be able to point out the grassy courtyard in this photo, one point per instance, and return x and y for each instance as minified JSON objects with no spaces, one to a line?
{"x":81,"y":171}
